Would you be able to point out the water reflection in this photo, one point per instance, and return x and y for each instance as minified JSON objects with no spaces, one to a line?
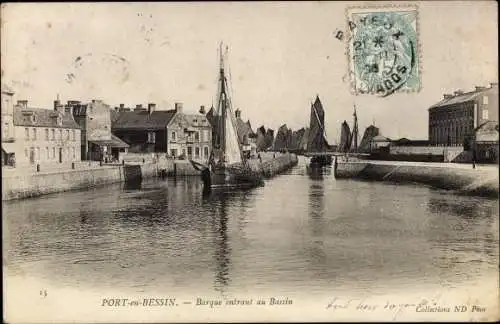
{"x":316,"y":220}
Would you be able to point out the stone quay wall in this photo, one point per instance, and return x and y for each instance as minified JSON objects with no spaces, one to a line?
{"x":19,"y":184}
{"x":482,"y":181}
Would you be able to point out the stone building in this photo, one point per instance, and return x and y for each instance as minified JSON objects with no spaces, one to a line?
{"x":246,"y":136}
{"x":189,"y":135}
{"x":166,"y":131}
{"x":44,"y":136}
{"x":97,"y":141}
{"x":452,"y":120}
{"x":8,"y":135}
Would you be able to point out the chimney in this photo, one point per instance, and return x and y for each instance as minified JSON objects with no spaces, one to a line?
{"x":23,"y":104}
{"x":122,"y":106}
{"x":447,"y":96}
{"x":178,"y":107}
{"x":478,"y":88}
{"x":458,"y":92}
{"x":138,"y":108}
{"x":151,"y":107}
{"x":68,"y":110}
{"x":202,"y":110}
{"x":238,"y":113}
{"x":57,"y":103}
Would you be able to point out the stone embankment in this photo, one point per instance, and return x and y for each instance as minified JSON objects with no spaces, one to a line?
{"x":18,"y":184}
{"x":481,"y":181}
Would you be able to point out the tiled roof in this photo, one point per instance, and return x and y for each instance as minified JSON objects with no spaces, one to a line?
{"x":143,"y":120}
{"x":43,"y":118}
{"x":113,"y":142}
{"x":467,"y":96}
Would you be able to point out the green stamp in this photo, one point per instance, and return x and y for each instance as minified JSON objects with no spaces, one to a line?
{"x":383,"y":50}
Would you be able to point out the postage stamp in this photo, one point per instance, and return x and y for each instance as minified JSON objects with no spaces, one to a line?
{"x":383,"y":49}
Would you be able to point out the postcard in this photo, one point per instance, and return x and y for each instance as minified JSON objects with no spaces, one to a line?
{"x":250,"y":161}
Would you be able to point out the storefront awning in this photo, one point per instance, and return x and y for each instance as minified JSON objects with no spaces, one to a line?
{"x":114,"y":142}
{"x":9,"y":148}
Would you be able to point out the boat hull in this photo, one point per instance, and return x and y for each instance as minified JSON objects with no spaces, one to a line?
{"x":321,"y":161}
{"x":231,"y":178}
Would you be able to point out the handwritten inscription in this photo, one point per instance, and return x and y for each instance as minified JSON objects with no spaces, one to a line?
{"x":422,"y":306}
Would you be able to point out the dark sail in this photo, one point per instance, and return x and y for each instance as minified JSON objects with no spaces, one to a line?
{"x":317,"y":141}
{"x":345,"y":138}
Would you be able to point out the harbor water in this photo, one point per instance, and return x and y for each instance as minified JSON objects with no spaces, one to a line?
{"x":302,"y":233}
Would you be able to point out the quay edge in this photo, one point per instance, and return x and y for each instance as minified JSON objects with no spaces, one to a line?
{"x":464,"y":181}
{"x":22,"y":185}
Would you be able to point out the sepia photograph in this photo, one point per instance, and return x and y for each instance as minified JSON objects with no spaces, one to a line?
{"x":274,"y":161}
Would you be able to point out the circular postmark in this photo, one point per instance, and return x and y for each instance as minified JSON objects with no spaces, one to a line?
{"x":383,"y":50}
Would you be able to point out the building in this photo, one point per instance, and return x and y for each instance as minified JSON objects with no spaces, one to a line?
{"x":166,"y":131}
{"x":145,"y":130}
{"x":8,"y":136}
{"x":44,"y":136}
{"x":486,"y":142}
{"x":246,"y":136}
{"x":189,"y":135}
{"x":452,"y":120}
{"x":97,"y":141}
{"x":379,"y":142}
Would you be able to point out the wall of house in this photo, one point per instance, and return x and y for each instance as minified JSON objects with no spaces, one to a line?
{"x":487,"y":106}
{"x":7,"y":117}
{"x":198,"y":142}
{"x":41,"y":145}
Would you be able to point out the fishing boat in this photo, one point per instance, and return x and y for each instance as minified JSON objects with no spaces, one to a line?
{"x":317,"y":145}
{"x":227,"y":166}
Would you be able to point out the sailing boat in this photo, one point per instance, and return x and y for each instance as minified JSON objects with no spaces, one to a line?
{"x":317,"y":145}
{"x":227,"y":166}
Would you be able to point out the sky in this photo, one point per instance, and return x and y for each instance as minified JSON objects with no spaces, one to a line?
{"x":281,"y":55}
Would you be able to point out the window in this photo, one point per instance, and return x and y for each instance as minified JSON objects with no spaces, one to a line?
{"x":151,"y":137}
{"x":485,"y":113}
{"x":53,"y":134}
{"x":174,"y":136}
{"x":67,"y":134}
{"x":34,"y":133}
{"x":74,"y":135}
{"x":485,"y":100}
{"x":197,"y":152}
{"x":197,"y":136}
{"x":47,"y":152}
{"x":60,"y":134}
{"x":205,"y":151}
{"x":46,"y":134}
{"x":173,"y":152}
{"x":27,"y":133}
{"x":6,"y":130}
{"x":53,"y":152}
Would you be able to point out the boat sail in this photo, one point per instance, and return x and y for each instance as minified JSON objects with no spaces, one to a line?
{"x":317,"y":144}
{"x":227,"y":167}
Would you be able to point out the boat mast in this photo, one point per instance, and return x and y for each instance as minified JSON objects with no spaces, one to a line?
{"x":355,"y":130}
{"x":222,"y":105}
